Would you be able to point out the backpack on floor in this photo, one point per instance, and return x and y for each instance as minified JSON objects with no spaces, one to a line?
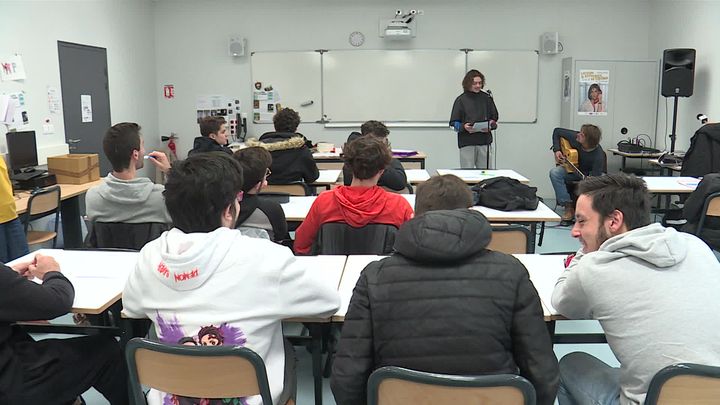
{"x":505,"y":194}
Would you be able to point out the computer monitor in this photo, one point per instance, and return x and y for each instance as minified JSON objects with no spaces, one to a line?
{"x":22,"y":150}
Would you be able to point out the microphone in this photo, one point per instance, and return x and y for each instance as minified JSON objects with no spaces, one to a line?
{"x":702,"y":118}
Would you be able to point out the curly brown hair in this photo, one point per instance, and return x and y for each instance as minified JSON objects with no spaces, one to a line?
{"x":286,"y":120}
{"x":366,"y":156}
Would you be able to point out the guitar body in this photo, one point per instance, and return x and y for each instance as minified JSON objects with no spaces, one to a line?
{"x":571,"y":155}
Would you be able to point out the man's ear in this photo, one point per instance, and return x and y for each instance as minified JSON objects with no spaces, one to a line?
{"x":228,"y":219}
{"x":617,"y":222}
{"x":135,"y":154}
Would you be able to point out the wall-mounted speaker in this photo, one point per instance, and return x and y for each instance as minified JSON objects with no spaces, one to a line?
{"x":678,"y":72}
{"x":550,"y":43}
{"x":236,"y":47}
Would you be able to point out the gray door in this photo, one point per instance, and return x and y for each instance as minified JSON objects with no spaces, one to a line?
{"x":84,"y":75}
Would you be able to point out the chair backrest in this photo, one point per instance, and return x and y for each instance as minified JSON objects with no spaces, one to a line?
{"x":196,"y":371}
{"x":510,"y":239}
{"x":685,"y":384}
{"x":123,"y":235}
{"x":408,"y":189}
{"x":41,"y":203}
{"x":400,"y":386}
{"x":711,"y":208}
{"x":300,"y":189}
{"x":337,"y":238}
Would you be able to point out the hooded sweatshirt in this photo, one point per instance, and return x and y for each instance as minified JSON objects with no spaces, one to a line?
{"x":132,"y":201}
{"x":355,"y":206}
{"x":654,"y":291}
{"x":224,"y":288}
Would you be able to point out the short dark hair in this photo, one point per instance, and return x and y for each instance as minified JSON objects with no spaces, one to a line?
{"x":366,"y":156}
{"x":469,"y":76}
{"x":119,"y":143}
{"x":593,"y":134}
{"x":211,"y":125}
{"x":446,"y":192}
{"x":625,"y":193}
{"x":286,"y":120}
{"x":594,"y":86}
{"x":199,"y":188}
{"x":254,"y":161}
{"x":376,"y":128}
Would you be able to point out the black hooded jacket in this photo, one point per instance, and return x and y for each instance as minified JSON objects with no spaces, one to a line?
{"x":204,"y":144}
{"x":292,"y":161}
{"x":444,"y":303}
{"x":703,"y":156}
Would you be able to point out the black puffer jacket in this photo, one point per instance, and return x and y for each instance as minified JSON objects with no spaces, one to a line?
{"x":203,"y":144}
{"x":444,"y":304}
{"x":703,"y":156}
{"x":292,"y":161}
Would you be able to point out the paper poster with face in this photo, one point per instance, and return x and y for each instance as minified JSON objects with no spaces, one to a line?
{"x":593,"y":90}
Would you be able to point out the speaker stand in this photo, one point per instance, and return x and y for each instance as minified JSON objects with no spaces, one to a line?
{"x":673,"y":134}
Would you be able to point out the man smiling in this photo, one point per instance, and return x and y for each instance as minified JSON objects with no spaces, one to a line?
{"x":651,"y":288}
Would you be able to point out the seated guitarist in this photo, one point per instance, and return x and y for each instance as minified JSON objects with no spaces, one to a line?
{"x":591,"y":162}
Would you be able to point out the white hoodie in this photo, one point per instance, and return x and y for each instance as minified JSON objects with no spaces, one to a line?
{"x":654,"y":291}
{"x":226,"y":283}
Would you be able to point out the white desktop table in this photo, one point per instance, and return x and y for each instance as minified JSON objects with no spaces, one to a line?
{"x":472,"y":176}
{"x":671,"y":184}
{"x":327,"y":177}
{"x":416,"y":176}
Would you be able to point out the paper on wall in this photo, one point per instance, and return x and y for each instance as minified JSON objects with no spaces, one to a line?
{"x":15,"y":115}
{"x":11,"y":68}
{"x":86,"y":108}
{"x":54,"y":103}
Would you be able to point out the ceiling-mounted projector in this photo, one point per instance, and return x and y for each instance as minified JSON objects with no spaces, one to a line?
{"x":398,"y":29}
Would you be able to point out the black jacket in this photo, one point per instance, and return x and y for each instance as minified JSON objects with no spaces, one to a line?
{"x":470,"y":108}
{"x":205,"y":144}
{"x":703,"y":156}
{"x":263,"y":213}
{"x":23,"y":300}
{"x":292,"y":161}
{"x":393,"y":177}
{"x":444,"y":303}
{"x":590,"y":163}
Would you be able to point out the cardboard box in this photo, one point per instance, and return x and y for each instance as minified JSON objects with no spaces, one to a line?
{"x":76,"y":168}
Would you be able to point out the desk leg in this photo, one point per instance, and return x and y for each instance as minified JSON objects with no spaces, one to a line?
{"x":72,"y":230}
{"x":316,"y":331}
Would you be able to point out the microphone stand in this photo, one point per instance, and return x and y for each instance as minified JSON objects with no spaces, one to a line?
{"x":487,"y":119}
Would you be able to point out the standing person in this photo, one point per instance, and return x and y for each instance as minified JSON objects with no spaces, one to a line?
{"x":214,"y":136}
{"x":594,"y":103}
{"x":653,"y":289}
{"x":13,"y":243}
{"x":474,"y":105}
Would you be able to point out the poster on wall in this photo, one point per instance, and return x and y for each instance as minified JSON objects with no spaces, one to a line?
{"x":593,"y":92}
{"x":86,"y":108}
{"x":219,"y":105}
{"x":15,"y":113}
{"x":11,"y":68}
{"x":265,"y":104}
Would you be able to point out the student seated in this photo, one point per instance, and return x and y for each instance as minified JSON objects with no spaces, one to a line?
{"x":394,"y":176}
{"x":653,"y":289}
{"x":123,"y":196}
{"x":204,"y":283}
{"x":292,"y":161}
{"x":361,"y":203}
{"x":51,"y":371}
{"x":444,"y":303}
{"x":214,"y":136}
{"x":591,"y":162}
{"x":256,"y":211}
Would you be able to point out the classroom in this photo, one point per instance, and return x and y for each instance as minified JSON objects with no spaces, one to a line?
{"x":166,"y":60}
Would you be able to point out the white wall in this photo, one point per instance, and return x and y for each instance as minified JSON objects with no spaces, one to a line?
{"x":689,"y":24}
{"x":192,"y":36}
{"x":125,"y":28}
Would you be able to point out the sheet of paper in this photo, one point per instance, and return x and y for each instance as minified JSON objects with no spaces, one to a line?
{"x":483,"y":126}
{"x":11,"y":68}
{"x":86,"y":107}
{"x":54,"y":100}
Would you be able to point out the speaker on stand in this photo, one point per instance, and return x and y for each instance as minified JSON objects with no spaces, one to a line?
{"x":678,"y":77}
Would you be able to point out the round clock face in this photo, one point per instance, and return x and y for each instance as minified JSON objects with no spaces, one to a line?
{"x":357,"y":38}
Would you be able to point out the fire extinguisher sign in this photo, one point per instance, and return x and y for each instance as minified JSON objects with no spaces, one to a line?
{"x":169,"y":91}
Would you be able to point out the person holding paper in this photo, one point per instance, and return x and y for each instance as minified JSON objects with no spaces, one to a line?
{"x":473,"y":116}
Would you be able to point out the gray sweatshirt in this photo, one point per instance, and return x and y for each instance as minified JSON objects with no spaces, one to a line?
{"x":655,"y":292}
{"x":133,"y":201}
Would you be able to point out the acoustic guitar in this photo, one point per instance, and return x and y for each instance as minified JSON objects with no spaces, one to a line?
{"x":572,"y":159}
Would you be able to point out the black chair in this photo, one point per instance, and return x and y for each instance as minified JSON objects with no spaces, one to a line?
{"x":42,"y":203}
{"x":122,"y":235}
{"x":711,"y":208}
{"x":337,"y":238}
{"x":401,"y":386}
{"x":683,"y":384}
{"x":195,"y":371}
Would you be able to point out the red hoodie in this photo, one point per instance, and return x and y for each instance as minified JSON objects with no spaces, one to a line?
{"x":355,"y":206}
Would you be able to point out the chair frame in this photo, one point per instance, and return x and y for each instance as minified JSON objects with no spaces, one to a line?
{"x":30,"y":216}
{"x":676,"y":370}
{"x":289,"y":188}
{"x":708,"y":205}
{"x":529,"y":248}
{"x":136,"y":345}
{"x":445,"y":380}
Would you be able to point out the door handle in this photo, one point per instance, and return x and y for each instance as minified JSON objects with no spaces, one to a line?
{"x":74,"y":140}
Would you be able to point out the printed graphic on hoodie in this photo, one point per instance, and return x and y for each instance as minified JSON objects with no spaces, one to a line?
{"x":171,"y":332}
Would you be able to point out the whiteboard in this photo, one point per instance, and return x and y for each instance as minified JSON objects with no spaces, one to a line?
{"x":404,"y":85}
{"x":513,"y":78}
{"x":295,"y":76}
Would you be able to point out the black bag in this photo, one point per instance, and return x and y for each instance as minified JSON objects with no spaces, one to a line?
{"x":505,"y":194}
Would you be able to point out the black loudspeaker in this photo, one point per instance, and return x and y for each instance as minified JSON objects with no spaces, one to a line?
{"x":678,"y":73}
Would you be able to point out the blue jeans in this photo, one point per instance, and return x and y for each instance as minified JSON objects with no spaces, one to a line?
{"x":13,"y":242}
{"x":558,"y":177}
{"x":585,"y":379}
